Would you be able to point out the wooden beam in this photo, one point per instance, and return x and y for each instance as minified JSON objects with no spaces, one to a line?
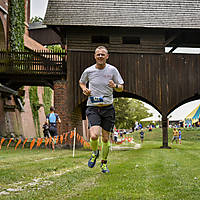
{"x":173,"y":37}
{"x":172,"y":49}
{"x":61,"y":33}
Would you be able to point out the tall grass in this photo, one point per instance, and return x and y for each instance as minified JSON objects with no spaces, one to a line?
{"x":148,"y":173}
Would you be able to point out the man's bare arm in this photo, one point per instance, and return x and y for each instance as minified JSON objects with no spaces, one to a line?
{"x":86,"y":91}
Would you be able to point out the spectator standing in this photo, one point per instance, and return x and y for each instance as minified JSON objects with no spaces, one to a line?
{"x":115,"y":136}
{"x":175,"y":136}
{"x":179,"y":136}
{"x":142,"y":135}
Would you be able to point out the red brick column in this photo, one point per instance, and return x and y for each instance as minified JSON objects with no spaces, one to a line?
{"x":62,"y":101}
{"x":60,"y":94}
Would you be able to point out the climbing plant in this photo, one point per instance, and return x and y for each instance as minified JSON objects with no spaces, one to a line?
{"x":35,"y":106}
{"x":47,"y":99}
{"x":16,"y":23}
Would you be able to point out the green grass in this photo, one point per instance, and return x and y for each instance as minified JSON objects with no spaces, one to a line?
{"x":148,"y":173}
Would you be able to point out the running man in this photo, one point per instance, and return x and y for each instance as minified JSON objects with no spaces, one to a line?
{"x":103,"y":78}
{"x":51,"y":119}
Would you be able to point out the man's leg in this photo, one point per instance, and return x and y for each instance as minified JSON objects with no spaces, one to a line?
{"x":173,"y":140}
{"x":52,"y":133}
{"x":108,"y":114}
{"x":105,"y":150}
{"x":94,"y":133}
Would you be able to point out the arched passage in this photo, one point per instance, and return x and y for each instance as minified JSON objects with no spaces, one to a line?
{"x":135,"y":96}
{"x":180,"y":113}
{"x":185,"y":101}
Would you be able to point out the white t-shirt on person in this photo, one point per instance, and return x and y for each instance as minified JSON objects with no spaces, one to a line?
{"x":98,"y":80}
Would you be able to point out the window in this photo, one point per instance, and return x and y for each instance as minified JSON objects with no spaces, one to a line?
{"x":131,"y":40}
{"x":100,"y":39}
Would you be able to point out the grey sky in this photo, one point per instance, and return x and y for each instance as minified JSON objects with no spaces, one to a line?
{"x":38,"y":8}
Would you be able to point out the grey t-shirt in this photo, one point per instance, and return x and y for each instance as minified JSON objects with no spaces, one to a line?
{"x":98,"y":80}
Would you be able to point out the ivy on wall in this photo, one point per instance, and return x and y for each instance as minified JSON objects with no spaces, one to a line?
{"x":35,"y":106}
{"x":16,"y":23}
{"x":47,"y":99}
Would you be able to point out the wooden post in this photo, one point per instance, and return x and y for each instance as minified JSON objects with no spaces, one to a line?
{"x":165,"y":132}
{"x":74,"y":143}
{"x":165,"y":103}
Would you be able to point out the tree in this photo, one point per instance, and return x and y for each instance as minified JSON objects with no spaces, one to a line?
{"x":128,"y":111}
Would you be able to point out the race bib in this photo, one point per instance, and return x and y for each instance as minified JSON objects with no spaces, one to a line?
{"x":96,"y":100}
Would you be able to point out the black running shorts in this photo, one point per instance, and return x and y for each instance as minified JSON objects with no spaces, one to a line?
{"x":101,"y":116}
{"x":53,"y":131}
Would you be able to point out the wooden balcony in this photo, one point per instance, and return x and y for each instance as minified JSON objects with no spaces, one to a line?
{"x":32,"y":68}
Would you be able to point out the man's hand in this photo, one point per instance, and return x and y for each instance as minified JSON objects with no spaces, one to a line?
{"x":111,"y":84}
{"x":116,"y":87}
{"x":86,"y":92}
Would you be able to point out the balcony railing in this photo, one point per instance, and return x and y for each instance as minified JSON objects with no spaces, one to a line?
{"x":37,"y":62}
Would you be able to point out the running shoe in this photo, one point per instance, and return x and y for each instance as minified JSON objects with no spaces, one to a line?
{"x":93,"y":158}
{"x":104,"y":168}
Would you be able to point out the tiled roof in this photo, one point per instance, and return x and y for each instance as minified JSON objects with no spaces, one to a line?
{"x":32,"y":44}
{"x":125,"y":13}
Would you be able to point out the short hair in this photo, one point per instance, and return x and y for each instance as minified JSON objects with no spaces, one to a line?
{"x":101,"y":47}
{"x":52,"y":108}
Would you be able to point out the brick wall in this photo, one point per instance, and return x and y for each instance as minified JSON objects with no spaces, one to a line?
{"x":10,"y":118}
{"x":2,"y":119}
{"x":70,"y":118}
{"x":3,"y":23}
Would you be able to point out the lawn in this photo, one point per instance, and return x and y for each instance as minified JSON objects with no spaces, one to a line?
{"x":147,"y":173}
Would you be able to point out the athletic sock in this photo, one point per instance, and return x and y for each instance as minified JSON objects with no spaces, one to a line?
{"x":94,"y":145}
{"x":103,"y":161}
{"x":105,"y":150}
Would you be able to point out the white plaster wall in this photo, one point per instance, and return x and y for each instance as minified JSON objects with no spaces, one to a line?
{"x":41,"y":112}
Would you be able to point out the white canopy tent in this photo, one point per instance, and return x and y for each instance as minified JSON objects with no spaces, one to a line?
{"x":157,"y":118}
{"x":152,"y":118}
